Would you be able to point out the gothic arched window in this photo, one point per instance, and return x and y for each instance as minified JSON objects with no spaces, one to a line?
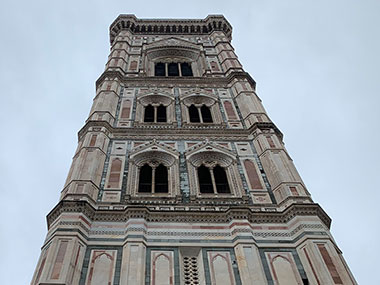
{"x":173,"y":69}
{"x":161,"y":179}
{"x":155,"y":114}
{"x":194,"y":114}
{"x":186,"y":69}
{"x":206,"y":114}
{"x":145,"y":179}
{"x":149,"y":114}
{"x":159,"y":69}
{"x":205,"y":181}
{"x":200,"y":114}
{"x":213,"y":180}
{"x":221,"y":181}
{"x":153,"y":179}
{"x":161,"y":113}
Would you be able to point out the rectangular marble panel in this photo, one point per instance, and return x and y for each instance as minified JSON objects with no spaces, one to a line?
{"x":162,"y":268}
{"x":59,"y":259}
{"x":283,"y":268}
{"x":102,"y":267}
{"x":133,"y":264}
{"x":221,"y":268}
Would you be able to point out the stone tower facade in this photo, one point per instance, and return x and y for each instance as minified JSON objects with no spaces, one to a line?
{"x":180,"y":176}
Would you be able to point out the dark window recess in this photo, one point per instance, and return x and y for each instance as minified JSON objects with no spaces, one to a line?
{"x":173,"y":69}
{"x":305,"y":281}
{"x":206,"y":114}
{"x":221,"y":180}
{"x":159,"y":69}
{"x":161,"y":113}
{"x":186,"y":69}
{"x":149,"y":114}
{"x":194,"y":114}
{"x":161,"y":179}
{"x":145,"y":179}
{"x":204,"y":177}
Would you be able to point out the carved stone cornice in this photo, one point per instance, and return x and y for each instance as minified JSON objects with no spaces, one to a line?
{"x":152,"y":81}
{"x":189,"y":214}
{"x":156,"y":131}
{"x":170,"y":26}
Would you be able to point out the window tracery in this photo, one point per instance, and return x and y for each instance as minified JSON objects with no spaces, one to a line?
{"x":200,"y":114}
{"x":155,"y":114}
{"x":212,"y":179}
{"x":153,"y":178}
{"x":153,"y":171}
{"x":174,"y":57}
{"x":201,"y":108}
{"x":155,"y":108}
{"x":213,"y":171}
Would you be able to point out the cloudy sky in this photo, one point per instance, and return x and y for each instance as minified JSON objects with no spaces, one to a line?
{"x":316,"y":64}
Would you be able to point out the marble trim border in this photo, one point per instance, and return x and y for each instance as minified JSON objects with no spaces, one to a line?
{"x":231,"y":213}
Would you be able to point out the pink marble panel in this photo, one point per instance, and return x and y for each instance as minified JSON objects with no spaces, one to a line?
{"x":59,"y":259}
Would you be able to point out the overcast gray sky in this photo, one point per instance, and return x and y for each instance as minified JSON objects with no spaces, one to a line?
{"x":316,"y":64}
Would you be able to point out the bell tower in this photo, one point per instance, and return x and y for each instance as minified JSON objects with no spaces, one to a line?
{"x":180,"y":176}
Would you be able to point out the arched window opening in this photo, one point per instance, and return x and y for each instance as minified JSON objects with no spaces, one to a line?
{"x":221,"y":181}
{"x":173,"y":69}
{"x":161,"y":180}
{"x":213,"y":180}
{"x":194,"y":114}
{"x":149,"y":114}
{"x":161,"y":113}
{"x":159,"y":69}
{"x":206,"y":114}
{"x":205,"y":181}
{"x":145,"y":179}
{"x":153,"y":179}
{"x":186,"y":69}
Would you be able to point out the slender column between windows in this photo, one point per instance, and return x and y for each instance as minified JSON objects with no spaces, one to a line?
{"x":155,"y":114}
{"x":153,"y":179}
{"x":179,"y":69}
{"x":200,"y":114}
{"x":212,"y":180}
